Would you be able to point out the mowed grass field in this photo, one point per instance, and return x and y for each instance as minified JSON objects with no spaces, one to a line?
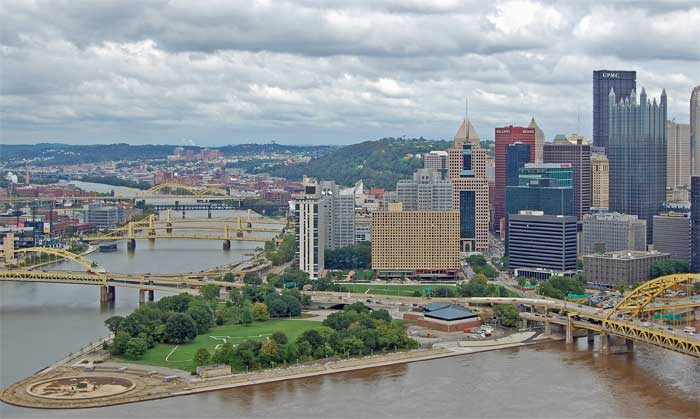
{"x":181,"y":356}
{"x":381,"y":289}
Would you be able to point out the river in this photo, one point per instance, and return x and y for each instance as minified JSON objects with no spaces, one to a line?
{"x":40,"y":323}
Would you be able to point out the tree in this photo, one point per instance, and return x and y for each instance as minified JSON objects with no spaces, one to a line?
{"x":245,"y":316}
{"x":202,"y":316}
{"x":358,"y":307}
{"x":277,"y":307}
{"x":210,"y":292}
{"x":252,"y":279}
{"x":668,"y":267}
{"x":621,"y":289}
{"x":270,"y":352}
{"x":507,"y":314}
{"x":279,"y":337}
{"x":202,"y":357}
{"x":381,"y":315}
{"x":113,"y":323}
{"x":119,"y":343}
{"x":229,"y":277}
{"x":259,"y":312}
{"x":224,"y":355}
{"x":135,"y":348}
{"x":179,"y":303}
{"x":180,"y":328}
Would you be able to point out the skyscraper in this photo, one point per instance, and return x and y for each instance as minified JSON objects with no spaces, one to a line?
{"x":539,"y":141}
{"x":579,"y":156}
{"x":600,"y":181}
{"x":622,"y":83}
{"x":613,"y":232}
{"x":537,"y":240}
{"x":695,"y":224}
{"x":677,"y":161}
{"x":504,"y":137}
{"x":426,"y":191}
{"x":517,"y":155}
{"x":437,"y":161}
{"x":310,"y":218}
{"x":695,"y":131}
{"x":340,"y":215}
{"x":637,"y":155}
{"x":467,"y":172}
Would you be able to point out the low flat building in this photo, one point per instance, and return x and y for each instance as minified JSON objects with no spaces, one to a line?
{"x":445,"y":317}
{"x":621,"y":268}
{"x":613,"y":232}
{"x":105,"y":216}
{"x":415,"y":244}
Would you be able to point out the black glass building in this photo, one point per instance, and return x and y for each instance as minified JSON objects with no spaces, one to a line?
{"x":637,"y":155}
{"x":517,"y":155}
{"x":622,"y":83}
{"x":695,"y":224}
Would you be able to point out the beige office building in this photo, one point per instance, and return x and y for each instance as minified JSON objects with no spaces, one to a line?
{"x":415,"y":244}
{"x":470,"y":187}
{"x":677,"y":161}
{"x":600,"y":181}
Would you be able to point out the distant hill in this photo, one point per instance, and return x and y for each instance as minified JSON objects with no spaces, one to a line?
{"x":46,"y":154}
{"x":378,"y":163}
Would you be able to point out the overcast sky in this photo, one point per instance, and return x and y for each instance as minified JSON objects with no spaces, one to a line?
{"x":324,"y":72}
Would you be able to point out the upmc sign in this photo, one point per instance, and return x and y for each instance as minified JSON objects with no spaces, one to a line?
{"x":608,"y":75}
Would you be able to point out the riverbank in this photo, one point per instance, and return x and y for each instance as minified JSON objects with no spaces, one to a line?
{"x":150,"y":383}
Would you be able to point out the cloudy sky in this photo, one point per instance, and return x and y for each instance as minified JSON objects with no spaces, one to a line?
{"x":326,"y":72}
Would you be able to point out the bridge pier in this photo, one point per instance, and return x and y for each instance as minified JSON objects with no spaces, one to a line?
{"x":227,"y":244}
{"x":169,"y":227}
{"x":183,"y":213}
{"x":569,"y":330}
{"x":131,"y":245}
{"x":615,"y":345}
{"x":239,"y":234}
{"x":107,"y":294}
{"x":524,"y":324}
{"x":591,"y":335}
{"x":142,"y":295}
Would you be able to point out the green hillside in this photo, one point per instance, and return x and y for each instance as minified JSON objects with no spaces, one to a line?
{"x":378,"y":163}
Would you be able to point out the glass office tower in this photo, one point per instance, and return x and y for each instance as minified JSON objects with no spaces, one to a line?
{"x":622,"y":83}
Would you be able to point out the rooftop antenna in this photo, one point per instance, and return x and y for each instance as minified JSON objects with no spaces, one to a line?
{"x":578,"y":119}
{"x":466,"y":119}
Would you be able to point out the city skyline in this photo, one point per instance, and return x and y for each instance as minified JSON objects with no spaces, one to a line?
{"x":241,"y":73}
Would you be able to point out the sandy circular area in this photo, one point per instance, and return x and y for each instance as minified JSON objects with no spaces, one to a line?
{"x":78,"y":388}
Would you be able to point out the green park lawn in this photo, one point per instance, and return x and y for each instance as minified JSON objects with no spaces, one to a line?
{"x":381,"y":289}
{"x":181,"y":356}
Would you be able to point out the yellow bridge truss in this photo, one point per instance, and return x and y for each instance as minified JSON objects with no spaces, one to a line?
{"x":64,"y":254}
{"x":194,"y":190}
{"x":641,"y":297}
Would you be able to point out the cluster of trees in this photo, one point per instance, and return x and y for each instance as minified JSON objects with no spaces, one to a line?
{"x":354,"y":331}
{"x":480,"y":266}
{"x":668,"y":267}
{"x":291,"y":278}
{"x":559,"y":286}
{"x":287,"y":303}
{"x":78,"y":247}
{"x":176,"y":319}
{"x":357,"y":256}
{"x":282,"y":253}
{"x":116,"y":181}
{"x":507,"y":314}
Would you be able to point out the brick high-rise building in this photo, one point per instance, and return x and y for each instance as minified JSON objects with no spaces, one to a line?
{"x":504,"y":137}
{"x":622,"y":83}
{"x":467,"y":172}
{"x":579,"y":156}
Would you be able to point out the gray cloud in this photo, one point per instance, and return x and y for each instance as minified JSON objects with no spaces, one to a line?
{"x":313,"y":71}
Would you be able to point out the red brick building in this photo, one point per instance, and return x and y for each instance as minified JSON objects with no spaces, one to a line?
{"x":504,"y":137}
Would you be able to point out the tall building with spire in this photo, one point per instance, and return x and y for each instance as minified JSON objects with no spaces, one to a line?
{"x":467,"y":172}
{"x":539,"y":141}
{"x":637,"y":155}
{"x":695,"y":132}
{"x":622,"y":83}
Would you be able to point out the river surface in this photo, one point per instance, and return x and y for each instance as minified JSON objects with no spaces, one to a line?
{"x":41,"y":323}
